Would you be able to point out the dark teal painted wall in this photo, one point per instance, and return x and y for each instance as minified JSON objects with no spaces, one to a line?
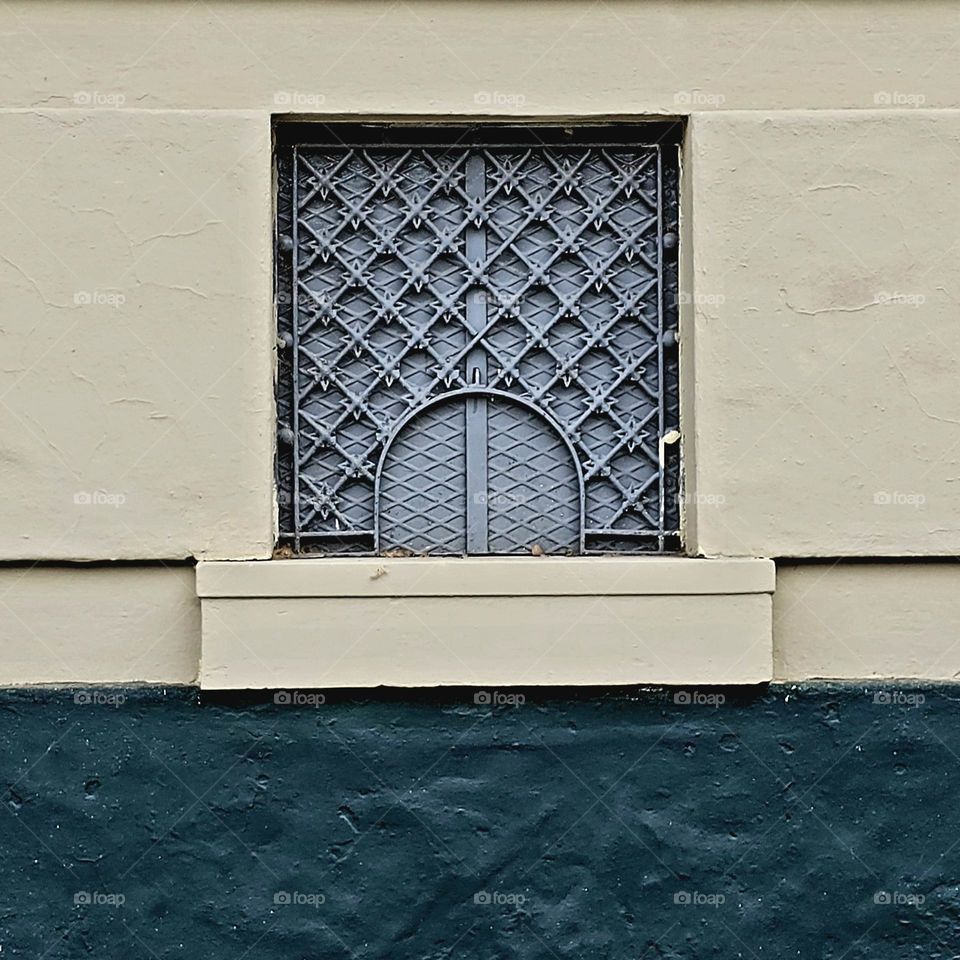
{"x":776,"y":824}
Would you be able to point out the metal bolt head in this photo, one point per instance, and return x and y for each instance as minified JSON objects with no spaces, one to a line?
{"x":285,"y":243}
{"x":669,"y":339}
{"x":669,"y":242}
{"x":285,"y":436}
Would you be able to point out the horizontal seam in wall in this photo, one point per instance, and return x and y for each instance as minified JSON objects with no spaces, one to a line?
{"x":179,"y":564}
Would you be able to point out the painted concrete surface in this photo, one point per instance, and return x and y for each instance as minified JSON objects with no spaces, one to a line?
{"x":367,"y":622}
{"x":680,"y":823}
{"x":522,"y":57}
{"x":486,"y":577}
{"x":99,"y":624}
{"x":137,"y":411}
{"x":870,"y":620}
{"x":843,"y":620}
{"x":818,"y":339}
{"x":429,"y":641}
{"x":826,"y":420}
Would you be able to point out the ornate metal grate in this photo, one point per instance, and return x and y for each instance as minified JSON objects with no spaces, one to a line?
{"x":478,"y":342}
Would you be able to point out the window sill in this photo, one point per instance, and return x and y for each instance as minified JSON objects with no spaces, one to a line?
{"x":314,"y":623}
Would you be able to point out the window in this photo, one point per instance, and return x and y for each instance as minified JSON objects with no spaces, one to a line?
{"x":477,"y":340}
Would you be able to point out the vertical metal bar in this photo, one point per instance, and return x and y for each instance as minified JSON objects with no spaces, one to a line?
{"x":477,"y":519}
{"x":477,"y":495}
{"x":295,"y":375}
{"x":661,"y":388}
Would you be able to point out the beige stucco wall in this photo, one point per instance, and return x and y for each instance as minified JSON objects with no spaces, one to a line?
{"x":841,"y":621}
{"x":622,"y":56}
{"x":819,"y":337}
{"x":867,"y":620}
{"x":827,"y":348}
{"x":136,"y":384}
{"x":113,"y":624}
{"x":135,"y":251}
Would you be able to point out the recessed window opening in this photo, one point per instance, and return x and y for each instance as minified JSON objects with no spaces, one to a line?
{"x":477,"y":340}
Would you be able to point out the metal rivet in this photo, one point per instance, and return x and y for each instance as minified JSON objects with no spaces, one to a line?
{"x":285,"y":243}
{"x":669,"y":338}
{"x":285,"y":436}
{"x":670,"y":242}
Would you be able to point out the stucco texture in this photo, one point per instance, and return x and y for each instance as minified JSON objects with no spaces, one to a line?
{"x":794,"y":823}
{"x":528,"y":56}
{"x":136,"y":389}
{"x":112,"y":624}
{"x":870,"y":620}
{"x":123,"y":624}
{"x":819,"y":342}
{"x":826,"y":350}
{"x":135,"y":251}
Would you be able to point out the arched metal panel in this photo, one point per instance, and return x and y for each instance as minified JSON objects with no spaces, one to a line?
{"x":478,"y":472}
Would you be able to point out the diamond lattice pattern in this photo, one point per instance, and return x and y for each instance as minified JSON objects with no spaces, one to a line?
{"x":379,"y":314}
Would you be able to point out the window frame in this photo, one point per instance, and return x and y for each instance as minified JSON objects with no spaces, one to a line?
{"x":663,"y":136}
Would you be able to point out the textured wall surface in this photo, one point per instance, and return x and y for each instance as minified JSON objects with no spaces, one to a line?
{"x":865,"y":620}
{"x":109,"y":624}
{"x":819,"y":341}
{"x":533,"y":56}
{"x":786,"y":823}
{"x":136,"y":242}
{"x":128,"y":623}
{"x":136,"y":401}
{"x":826,"y":419}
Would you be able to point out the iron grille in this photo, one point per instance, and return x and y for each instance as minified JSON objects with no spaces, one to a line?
{"x":478,"y":341}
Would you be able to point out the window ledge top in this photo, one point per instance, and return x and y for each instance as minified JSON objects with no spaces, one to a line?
{"x":484,"y":577}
